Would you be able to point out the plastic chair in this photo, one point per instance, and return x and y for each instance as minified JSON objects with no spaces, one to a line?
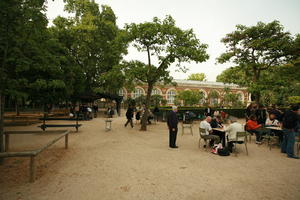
{"x":240,"y":135}
{"x":202,"y":130}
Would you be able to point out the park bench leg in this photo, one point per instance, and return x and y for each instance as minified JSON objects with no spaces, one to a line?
{"x":6,"y":142}
{"x":66,"y":141}
{"x":32,"y":169}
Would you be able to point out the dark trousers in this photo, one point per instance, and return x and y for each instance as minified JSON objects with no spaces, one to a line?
{"x":221,"y":135}
{"x":287,"y":145}
{"x":129,"y":121}
{"x":172,"y":137}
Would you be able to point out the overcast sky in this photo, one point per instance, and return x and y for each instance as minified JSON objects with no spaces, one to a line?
{"x":210,"y":19}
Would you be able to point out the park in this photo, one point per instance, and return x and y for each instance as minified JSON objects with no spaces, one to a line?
{"x":97,"y":102}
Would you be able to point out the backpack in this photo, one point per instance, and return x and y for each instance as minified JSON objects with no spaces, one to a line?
{"x":223,"y":152}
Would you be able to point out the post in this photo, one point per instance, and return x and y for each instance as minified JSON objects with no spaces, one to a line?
{"x":77,"y":121}
{"x":32,"y":169}
{"x":6,"y":142}
{"x":66,"y":141}
{"x":2,"y":101}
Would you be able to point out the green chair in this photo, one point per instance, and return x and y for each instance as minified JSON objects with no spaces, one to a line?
{"x":202,"y":130}
{"x":239,"y":136}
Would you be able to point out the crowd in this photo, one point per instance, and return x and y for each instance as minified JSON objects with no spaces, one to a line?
{"x":258,"y":118}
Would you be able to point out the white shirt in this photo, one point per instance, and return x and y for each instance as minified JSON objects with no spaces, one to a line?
{"x":274,"y":122}
{"x":232,"y":129}
{"x":205,"y":125}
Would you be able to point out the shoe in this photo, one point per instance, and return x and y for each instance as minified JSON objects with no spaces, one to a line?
{"x":295,"y":157}
{"x":257,"y":142}
{"x":175,"y":147}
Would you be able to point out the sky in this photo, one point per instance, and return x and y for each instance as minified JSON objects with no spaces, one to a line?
{"x":211,"y":20}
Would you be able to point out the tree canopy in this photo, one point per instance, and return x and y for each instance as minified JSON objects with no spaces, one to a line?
{"x":197,"y":77}
{"x":254,"y":50}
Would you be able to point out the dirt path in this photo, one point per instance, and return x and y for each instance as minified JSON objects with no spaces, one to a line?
{"x":128,"y":164}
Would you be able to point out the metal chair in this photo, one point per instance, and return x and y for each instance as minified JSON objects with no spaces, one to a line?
{"x":242,"y":135}
{"x":187,"y":126}
{"x":298,"y":143}
{"x":202,"y":130}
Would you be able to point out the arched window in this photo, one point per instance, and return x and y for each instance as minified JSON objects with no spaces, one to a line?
{"x":240,"y":96}
{"x":214,"y":97}
{"x":203,"y":96}
{"x":137,"y":93}
{"x":156,"y":91}
{"x":171,"y":96}
{"x":122,"y":93}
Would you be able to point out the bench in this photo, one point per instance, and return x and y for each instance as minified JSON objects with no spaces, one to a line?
{"x":44,"y":125}
{"x":32,"y":154}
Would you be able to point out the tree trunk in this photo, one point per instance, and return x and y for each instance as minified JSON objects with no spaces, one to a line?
{"x":147,"y":106}
{"x":256,"y":94}
{"x":17,"y":108}
{"x":2,"y":101}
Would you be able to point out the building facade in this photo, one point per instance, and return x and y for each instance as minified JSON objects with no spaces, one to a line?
{"x":168,"y":92}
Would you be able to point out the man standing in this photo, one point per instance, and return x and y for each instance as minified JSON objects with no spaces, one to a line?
{"x":289,"y":125}
{"x":129,"y":116}
{"x":172,"y":125}
{"x":205,"y":124}
{"x":208,"y":111}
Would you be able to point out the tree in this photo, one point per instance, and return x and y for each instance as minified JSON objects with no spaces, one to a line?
{"x":167,"y":43}
{"x":231,"y":99}
{"x":25,"y":55}
{"x":189,"y":97}
{"x":197,"y":77}
{"x":256,"y":49}
{"x":213,"y":96}
{"x":93,"y":42}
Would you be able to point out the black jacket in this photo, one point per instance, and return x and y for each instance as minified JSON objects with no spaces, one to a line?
{"x":172,"y":120}
{"x":129,"y":113}
{"x":290,"y":120}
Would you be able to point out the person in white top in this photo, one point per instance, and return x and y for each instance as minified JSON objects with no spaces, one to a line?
{"x":231,"y":131}
{"x":272,"y":121}
{"x":205,"y":124}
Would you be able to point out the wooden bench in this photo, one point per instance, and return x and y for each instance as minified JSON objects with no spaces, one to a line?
{"x":44,"y":125}
{"x":32,"y":154}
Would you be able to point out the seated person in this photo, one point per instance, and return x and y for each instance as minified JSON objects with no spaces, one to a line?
{"x":217,"y":123}
{"x":205,"y":124}
{"x":272,"y":121}
{"x":253,"y":127}
{"x":231,"y":131}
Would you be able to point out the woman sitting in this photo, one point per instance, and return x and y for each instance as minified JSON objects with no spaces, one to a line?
{"x":253,"y":127}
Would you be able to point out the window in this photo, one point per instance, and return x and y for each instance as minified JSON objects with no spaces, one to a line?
{"x":171,"y":96}
{"x":137,"y":93}
{"x":155,"y":91}
{"x":202,"y":97}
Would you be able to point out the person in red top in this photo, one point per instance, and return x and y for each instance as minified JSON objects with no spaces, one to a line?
{"x":253,"y":127}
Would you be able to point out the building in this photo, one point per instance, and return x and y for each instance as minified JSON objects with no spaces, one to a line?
{"x":168,"y":92}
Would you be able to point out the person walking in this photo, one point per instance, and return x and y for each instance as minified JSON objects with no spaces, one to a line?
{"x":289,"y":125}
{"x":129,"y":116}
{"x":172,"y":122}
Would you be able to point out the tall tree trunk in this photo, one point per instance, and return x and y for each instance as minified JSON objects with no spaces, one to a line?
{"x":146,"y":114}
{"x":17,"y":107}
{"x":256,"y":77}
{"x":2,"y":101}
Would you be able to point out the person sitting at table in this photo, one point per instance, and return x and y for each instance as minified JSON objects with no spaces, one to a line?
{"x":205,"y":124}
{"x":253,"y":127}
{"x":217,"y":123}
{"x":272,"y":121}
{"x":231,"y":131}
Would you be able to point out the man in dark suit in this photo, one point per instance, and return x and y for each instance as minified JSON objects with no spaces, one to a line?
{"x":172,"y":125}
{"x":208,"y":111}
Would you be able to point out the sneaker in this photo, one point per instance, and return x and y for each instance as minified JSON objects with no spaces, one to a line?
{"x":295,"y":157}
{"x":257,"y":142}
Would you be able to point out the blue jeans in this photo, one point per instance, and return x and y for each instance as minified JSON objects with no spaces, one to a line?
{"x":287,"y":145}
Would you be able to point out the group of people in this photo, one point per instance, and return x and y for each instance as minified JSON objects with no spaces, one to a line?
{"x":139,"y":113}
{"x":257,"y":117}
